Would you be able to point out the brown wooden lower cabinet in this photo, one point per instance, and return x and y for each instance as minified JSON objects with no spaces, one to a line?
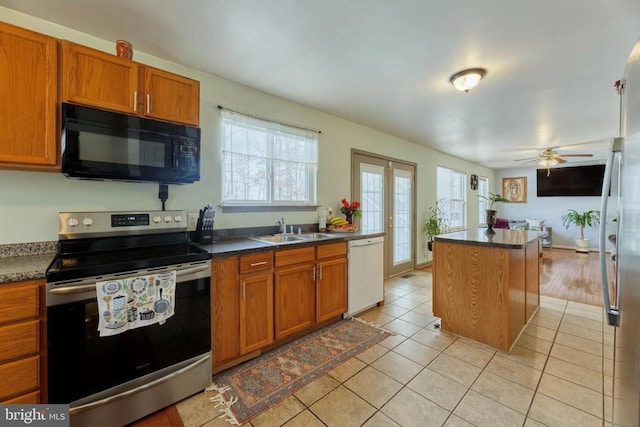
{"x":256,"y":312}
{"x":19,"y":377}
{"x":331,"y":283}
{"x":294,"y":299}
{"x":22,"y":342}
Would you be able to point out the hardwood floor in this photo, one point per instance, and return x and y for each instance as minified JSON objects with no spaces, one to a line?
{"x":573,"y":276}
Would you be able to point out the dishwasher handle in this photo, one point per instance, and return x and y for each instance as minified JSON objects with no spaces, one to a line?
{"x":366,"y":242}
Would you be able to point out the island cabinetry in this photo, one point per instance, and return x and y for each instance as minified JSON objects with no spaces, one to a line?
{"x":294,"y":277}
{"x":95,"y":78}
{"x":29,"y":93}
{"x":22,"y":342}
{"x":532,"y":271}
{"x":486,"y":291}
{"x":256,"y":301}
{"x":331,"y":285}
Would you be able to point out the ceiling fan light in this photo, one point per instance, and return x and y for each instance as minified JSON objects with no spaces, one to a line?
{"x":467,"y":79}
{"x":548,"y":162}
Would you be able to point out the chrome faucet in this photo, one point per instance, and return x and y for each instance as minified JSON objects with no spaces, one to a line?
{"x":283,"y":226}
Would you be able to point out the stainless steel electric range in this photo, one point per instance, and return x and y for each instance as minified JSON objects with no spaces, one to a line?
{"x":114,"y":380}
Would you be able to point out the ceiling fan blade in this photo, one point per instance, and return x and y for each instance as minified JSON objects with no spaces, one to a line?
{"x":559,"y":160}
{"x":576,"y":155}
{"x":528,"y":158}
{"x":529,"y":161}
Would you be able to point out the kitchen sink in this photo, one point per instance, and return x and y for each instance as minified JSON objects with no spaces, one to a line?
{"x":314,"y":236}
{"x":278,"y":238}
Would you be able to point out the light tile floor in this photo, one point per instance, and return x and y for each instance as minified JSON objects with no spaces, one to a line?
{"x":556,"y":375}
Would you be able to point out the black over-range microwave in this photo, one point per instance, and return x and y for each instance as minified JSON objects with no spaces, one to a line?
{"x":99,"y":144}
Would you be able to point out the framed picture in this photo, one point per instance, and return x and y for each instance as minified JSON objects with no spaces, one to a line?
{"x":515,"y":189}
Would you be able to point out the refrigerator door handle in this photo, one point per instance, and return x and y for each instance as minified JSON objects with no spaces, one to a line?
{"x":613,"y":314}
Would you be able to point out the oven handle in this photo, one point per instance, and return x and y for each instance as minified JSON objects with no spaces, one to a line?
{"x":78,"y":289}
{"x":124,"y":394}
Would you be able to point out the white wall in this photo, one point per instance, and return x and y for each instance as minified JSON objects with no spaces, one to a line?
{"x":550,"y":209}
{"x":30,"y":201}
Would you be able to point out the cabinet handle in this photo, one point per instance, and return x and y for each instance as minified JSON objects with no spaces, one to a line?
{"x":135,"y":101}
{"x":320,"y":271}
{"x":244,"y":290}
{"x":314,"y":273}
{"x":148,"y":103}
{"x":255,"y":264}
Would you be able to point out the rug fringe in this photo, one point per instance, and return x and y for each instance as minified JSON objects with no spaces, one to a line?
{"x":373,"y":325}
{"x":219,"y":400}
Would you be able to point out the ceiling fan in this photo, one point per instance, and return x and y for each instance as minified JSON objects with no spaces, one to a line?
{"x":549,"y":157}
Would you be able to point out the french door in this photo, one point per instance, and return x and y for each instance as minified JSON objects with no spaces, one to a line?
{"x":386,"y":190}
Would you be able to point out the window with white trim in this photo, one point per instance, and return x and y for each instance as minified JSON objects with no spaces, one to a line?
{"x":483,"y":204}
{"x":452,"y":196}
{"x":267,"y":163}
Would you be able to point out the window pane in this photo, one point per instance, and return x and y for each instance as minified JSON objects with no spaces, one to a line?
{"x":402,"y":216}
{"x":266,"y":162}
{"x":372,"y":198}
{"x":483,"y":190}
{"x":451,"y":195}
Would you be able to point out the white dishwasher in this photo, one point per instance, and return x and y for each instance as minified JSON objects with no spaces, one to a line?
{"x":366,"y":281}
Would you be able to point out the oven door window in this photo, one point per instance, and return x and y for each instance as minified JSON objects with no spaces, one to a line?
{"x":81,"y":363}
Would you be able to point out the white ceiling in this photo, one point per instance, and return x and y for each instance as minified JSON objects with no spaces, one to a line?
{"x":386,"y":64}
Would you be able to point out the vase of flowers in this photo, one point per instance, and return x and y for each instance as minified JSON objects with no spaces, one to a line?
{"x":351,"y":210}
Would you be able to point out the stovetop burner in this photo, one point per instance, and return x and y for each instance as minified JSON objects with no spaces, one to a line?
{"x":101,"y":243}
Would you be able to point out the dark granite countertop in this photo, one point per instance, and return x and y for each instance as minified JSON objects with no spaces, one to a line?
{"x":28,"y":261}
{"x":246,"y":245}
{"x":25,"y":261}
{"x":510,"y":239}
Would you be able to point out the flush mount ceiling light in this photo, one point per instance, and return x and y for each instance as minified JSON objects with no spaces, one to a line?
{"x":467,"y":79}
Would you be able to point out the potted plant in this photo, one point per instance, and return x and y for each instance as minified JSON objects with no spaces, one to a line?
{"x":435,"y":223}
{"x":585,"y":219}
{"x":491,"y":213}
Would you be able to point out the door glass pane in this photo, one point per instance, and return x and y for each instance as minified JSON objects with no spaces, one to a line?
{"x":372,"y":198}
{"x":402,"y":216}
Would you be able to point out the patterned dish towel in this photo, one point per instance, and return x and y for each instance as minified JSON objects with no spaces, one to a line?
{"x":135,"y":302}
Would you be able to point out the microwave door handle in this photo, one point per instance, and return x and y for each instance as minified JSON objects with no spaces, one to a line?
{"x":613,"y":315}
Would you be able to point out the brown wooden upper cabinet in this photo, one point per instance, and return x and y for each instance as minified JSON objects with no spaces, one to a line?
{"x":28,"y":99}
{"x":99,"y":79}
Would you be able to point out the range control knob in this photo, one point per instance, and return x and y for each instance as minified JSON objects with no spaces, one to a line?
{"x":167,"y":218}
{"x":87,"y":222}
{"x":72,"y":222}
{"x":157,"y":219}
{"x":177,"y":218}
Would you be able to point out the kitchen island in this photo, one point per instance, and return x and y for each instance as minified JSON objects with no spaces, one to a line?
{"x":486,"y":286}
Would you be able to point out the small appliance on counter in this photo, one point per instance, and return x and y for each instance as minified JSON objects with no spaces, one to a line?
{"x":204,"y":228}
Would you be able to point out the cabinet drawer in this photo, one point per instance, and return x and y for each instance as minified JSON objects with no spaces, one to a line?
{"x":25,"y":399}
{"x":332,"y":249}
{"x":295,"y":256}
{"x":19,"y":301}
{"x":19,"y":339}
{"x":19,"y":377}
{"x":256,"y":262}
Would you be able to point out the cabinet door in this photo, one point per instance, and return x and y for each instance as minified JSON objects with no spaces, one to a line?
{"x":294,"y":299}
{"x":171,"y":97}
{"x":331,"y":289}
{"x":28,"y":97}
{"x":256,"y":312}
{"x":92,"y":77}
{"x":225,"y":310}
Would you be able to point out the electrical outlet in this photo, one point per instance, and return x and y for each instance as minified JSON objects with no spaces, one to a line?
{"x":192,"y":221}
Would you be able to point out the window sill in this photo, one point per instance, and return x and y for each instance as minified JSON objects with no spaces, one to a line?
{"x":267,"y":208}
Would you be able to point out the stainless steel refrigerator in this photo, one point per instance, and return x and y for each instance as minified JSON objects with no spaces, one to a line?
{"x":622,"y":301}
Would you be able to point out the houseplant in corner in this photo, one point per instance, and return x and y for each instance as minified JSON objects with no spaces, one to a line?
{"x":491,"y":213}
{"x":585,"y":219}
{"x":435,"y":223}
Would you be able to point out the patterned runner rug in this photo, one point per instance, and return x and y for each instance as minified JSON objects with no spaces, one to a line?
{"x":249,"y":389}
